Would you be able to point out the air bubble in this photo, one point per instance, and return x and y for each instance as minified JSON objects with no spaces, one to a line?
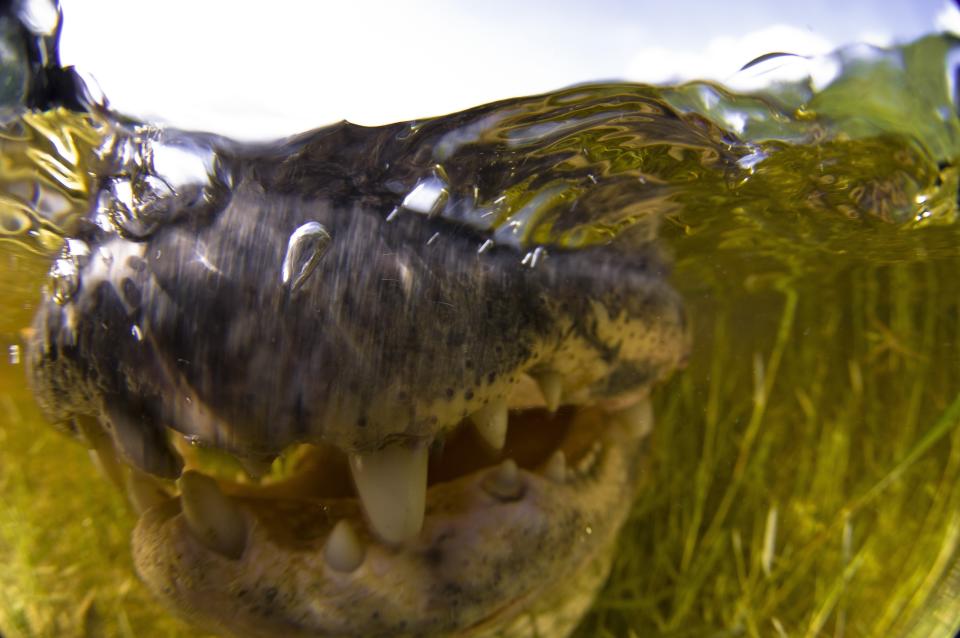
{"x":306,"y":246}
{"x":65,"y":273}
{"x":136,"y":208}
{"x":13,"y":222}
{"x":64,"y":280}
{"x":428,"y":197}
{"x":534,"y":257}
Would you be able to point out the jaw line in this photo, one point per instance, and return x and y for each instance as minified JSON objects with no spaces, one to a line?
{"x":481,"y":562}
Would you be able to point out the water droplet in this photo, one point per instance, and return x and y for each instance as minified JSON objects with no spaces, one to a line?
{"x":115,"y":208}
{"x":534,"y":257}
{"x":485,"y":246}
{"x":305,"y":247}
{"x":153,"y":198}
{"x":65,"y":272}
{"x":64,"y":280}
{"x":135,"y":207}
{"x":13,"y":222}
{"x":428,"y":196}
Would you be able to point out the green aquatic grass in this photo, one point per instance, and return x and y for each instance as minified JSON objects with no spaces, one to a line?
{"x":805,"y":480}
{"x":65,"y":564}
{"x":64,"y":538}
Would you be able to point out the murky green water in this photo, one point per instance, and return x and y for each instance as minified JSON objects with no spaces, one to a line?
{"x":804,"y":473}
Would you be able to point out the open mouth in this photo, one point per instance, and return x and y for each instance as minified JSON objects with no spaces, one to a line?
{"x":474,"y":502}
{"x":459,"y":431}
{"x":503,"y":516}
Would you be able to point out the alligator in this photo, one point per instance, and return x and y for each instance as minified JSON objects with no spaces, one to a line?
{"x":387,"y":381}
{"x":462,"y":420}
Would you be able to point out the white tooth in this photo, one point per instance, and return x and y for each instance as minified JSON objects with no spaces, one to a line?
{"x":144,"y":491}
{"x":101,"y":451}
{"x":507,"y":472}
{"x":491,"y":422}
{"x":212,"y":517}
{"x":343,"y":551}
{"x":140,"y":442}
{"x":551,"y":387}
{"x":638,"y":418}
{"x":556,"y":468}
{"x":392,"y":484}
{"x":504,"y":481}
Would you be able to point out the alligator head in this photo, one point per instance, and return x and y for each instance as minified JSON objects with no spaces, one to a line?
{"x":441,"y":410}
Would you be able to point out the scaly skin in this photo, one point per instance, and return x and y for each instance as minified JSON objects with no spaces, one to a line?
{"x":399,"y":330}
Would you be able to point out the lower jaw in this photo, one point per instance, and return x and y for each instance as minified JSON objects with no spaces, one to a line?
{"x":501,"y":552}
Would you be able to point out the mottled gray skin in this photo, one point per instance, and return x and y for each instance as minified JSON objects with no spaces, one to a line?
{"x":402,"y":329}
{"x":393,"y":335}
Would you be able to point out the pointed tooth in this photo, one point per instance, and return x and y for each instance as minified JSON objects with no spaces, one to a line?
{"x":141,"y":442}
{"x":638,"y":418}
{"x":556,"y":467}
{"x":212,"y":517}
{"x":504,"y":481}
{"x":507,"y":473}
{"x":343,"y":551}
{"x":392,"y":485}
{"x":491,"y":422}
{"x":102,"y":452}
{"x":551,"y":387}
{"x":144,"y":491}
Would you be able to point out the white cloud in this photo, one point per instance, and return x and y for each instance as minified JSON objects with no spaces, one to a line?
{"x":723,"y":56}
{"x":255,"y":71}
{"x":948,"y":18}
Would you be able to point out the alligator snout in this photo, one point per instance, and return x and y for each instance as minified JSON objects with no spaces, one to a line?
{"x":399,"y":387}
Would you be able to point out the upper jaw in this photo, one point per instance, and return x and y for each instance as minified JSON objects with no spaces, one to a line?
{"x":590,"y":326}
{"x":336,"y":365}
{"x":493,"y":542}
{"x":389,"y":340}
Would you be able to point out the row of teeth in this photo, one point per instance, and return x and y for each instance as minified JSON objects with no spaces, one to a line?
{"x":391,"y":483}
{"x":491,"y":419}
{"x":218,"y":523}
{"x":392,"y":488}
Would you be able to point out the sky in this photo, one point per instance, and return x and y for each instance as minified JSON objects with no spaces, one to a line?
{"x":256,"y":70}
